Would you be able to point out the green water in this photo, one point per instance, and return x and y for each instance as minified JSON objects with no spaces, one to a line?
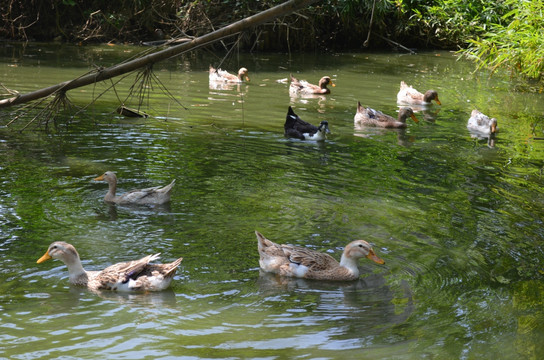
{"x":458,"y":220}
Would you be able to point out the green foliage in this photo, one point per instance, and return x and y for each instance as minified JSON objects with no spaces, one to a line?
{"x":449,"y":23}
{"x":517,"y":44}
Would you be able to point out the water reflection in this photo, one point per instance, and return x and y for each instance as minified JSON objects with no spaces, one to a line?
{"x":430,"y":113}
{"x":223,"y":86}
{"x":355,"y":305}
{"x":489,"y":139}
{"x":402,"y":136}
{"x":159,"y":299}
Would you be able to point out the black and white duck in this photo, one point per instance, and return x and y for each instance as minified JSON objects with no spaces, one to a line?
{"x":297,"y":128}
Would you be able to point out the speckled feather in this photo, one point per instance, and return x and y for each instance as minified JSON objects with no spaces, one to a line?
{"x":136,"y":275}
{"x":295,"y":261}
{"x":374,"y":118}
{"x":156,"y":195}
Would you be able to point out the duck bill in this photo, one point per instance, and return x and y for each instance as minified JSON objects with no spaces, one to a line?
{"x":100,"y":178}
{"x":333,"y":84}
{"x":493,"y":128}
{"x":437,"y":101}
{"x":414,"y":118}
{"x":372,"y":256}
{"x":45,"y":257}
{"x":247,"y":78}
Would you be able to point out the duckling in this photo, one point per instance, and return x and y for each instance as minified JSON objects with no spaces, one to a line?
{"x":297,"y":128}
{"x":481,"y":124}
{"x":302,"y":87}
{"x":295,"y":261}
{"x":218,"y":75}
{"x":407,"y":95}
{"x":137,"y":275}
{"x":150,"y":196}
{"x":371,"y":117}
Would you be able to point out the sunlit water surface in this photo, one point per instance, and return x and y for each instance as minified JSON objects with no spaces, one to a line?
{"x":457,"y":219}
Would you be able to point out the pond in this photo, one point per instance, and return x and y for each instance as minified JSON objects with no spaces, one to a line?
{"x":457,"y":219}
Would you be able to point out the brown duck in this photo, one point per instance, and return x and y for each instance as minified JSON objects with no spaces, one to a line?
{"x":137,"y":275}
{"x":371,"y":117}
{"x":295,"y":261}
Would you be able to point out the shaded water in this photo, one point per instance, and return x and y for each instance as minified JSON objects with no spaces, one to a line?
{"x":458,"y":221}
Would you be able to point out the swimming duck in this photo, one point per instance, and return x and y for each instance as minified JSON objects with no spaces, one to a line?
{"x":481,"y":123}
{"x":137,"y":275}
{"x":218,"y":75}
{"x":150,"y":196}
{"x":303,"y":87}
{"x":371,"y":117}
{"x":295,"y":261}
{"x":407,"y":95}
{"x":297,"y":128}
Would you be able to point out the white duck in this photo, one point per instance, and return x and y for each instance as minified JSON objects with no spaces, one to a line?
{"x":302,"y":87}
{"x":481,"y":124}
{"x":407,"y":95}
{"x":218,"y":75}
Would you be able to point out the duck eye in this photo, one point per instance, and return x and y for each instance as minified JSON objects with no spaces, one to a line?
{"x":360,"y":245}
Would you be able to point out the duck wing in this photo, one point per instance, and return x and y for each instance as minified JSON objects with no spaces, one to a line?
{"x":313,"y":260}
{"x":294,"y":133}
{"x":152,"y":195}
{"x":136,"y":275}
{"x":407,"y":93}
{"x":121,"y":273}
{"x":379,"y":116}
{"x":293,"y":121}
{"x":222,"y":75}
{"x":303,"y":86}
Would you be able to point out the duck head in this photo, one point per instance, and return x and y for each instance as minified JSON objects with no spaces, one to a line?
{"x":325,"y":81}
{"x":359,"y":249}
{"x":108,"y":177}
{"x":406,"y":112}
{"x":324,"y":127}
{"x":493,"y":126}
{"x":242,"y":74}
{"x":61,"y":251}
{"x":431,"y":95}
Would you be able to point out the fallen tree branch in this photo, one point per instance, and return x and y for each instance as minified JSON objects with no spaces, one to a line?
{"x":119,"y":69}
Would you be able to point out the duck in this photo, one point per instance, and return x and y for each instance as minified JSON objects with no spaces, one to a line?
{"x":297,"y":128}
{"x":136,"y":275}
{"x":302,"y":87}
{"x":370,"y":117}
{"x":150,"y":196}
{"x":218,"y":75}
{"x":301,"y":262}
{"x":407,"y":95}
{"x":481,"y":124}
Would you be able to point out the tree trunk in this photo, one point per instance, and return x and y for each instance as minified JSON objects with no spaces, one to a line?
{"x":116,"y":70}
